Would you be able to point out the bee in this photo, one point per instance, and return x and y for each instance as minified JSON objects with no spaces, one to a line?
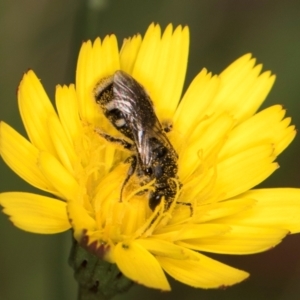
{"x":128,"y":107}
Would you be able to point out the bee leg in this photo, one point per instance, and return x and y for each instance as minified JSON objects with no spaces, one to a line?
{"x":133,"y":161}
{"x":186,"y":204}
{"x":114,"y":140}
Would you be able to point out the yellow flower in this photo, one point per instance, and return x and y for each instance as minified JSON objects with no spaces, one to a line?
{"x":225,"y":148}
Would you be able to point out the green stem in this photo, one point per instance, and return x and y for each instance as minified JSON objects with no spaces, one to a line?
{"x":97,"y":279}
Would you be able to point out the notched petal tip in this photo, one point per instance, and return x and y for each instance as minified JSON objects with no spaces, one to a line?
{"x":35,"y":213}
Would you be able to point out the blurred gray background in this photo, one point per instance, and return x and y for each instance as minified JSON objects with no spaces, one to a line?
{"x":46,"y":35}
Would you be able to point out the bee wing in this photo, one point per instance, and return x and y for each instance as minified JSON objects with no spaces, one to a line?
{"x":132,"y":99}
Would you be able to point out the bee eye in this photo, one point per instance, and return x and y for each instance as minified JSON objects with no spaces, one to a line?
{"x":154,"y":200}
{"x":149,"y":171}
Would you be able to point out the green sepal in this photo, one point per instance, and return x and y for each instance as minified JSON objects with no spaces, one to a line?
{"x":97,"y":278}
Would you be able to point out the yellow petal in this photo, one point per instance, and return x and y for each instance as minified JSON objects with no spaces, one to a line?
{"x":192,"y":107}
{"x":63,"y":146}
{"x":242,"y":89}
{"x":67,"y":107}
{"x":202,"y":273}
{"x":244,"y":170}
{"x":95,"y":61}
{"x":155,"y":68}
{"x":110,"y":59}
{"x":257,"y":94}
{"x":268,"y":125}
{"x":35,"y":107}
{"x":62,"y":180}
{"x":129,"y":52}
{"x":147,"y":54}
{"x":287,"y":136}
{"x":135,"y":262}
{"x":21,"y":156}
{"x":222,"y":209}
{"x":159,"y":247}
{"x":80,"y":219}
{"x":200,"y":231}
{"x":239,"y":240}
{"x":178,"y":232}
{"x":274,"y":208}
{"x":206,"y":139}
{"x":35,"y":213}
